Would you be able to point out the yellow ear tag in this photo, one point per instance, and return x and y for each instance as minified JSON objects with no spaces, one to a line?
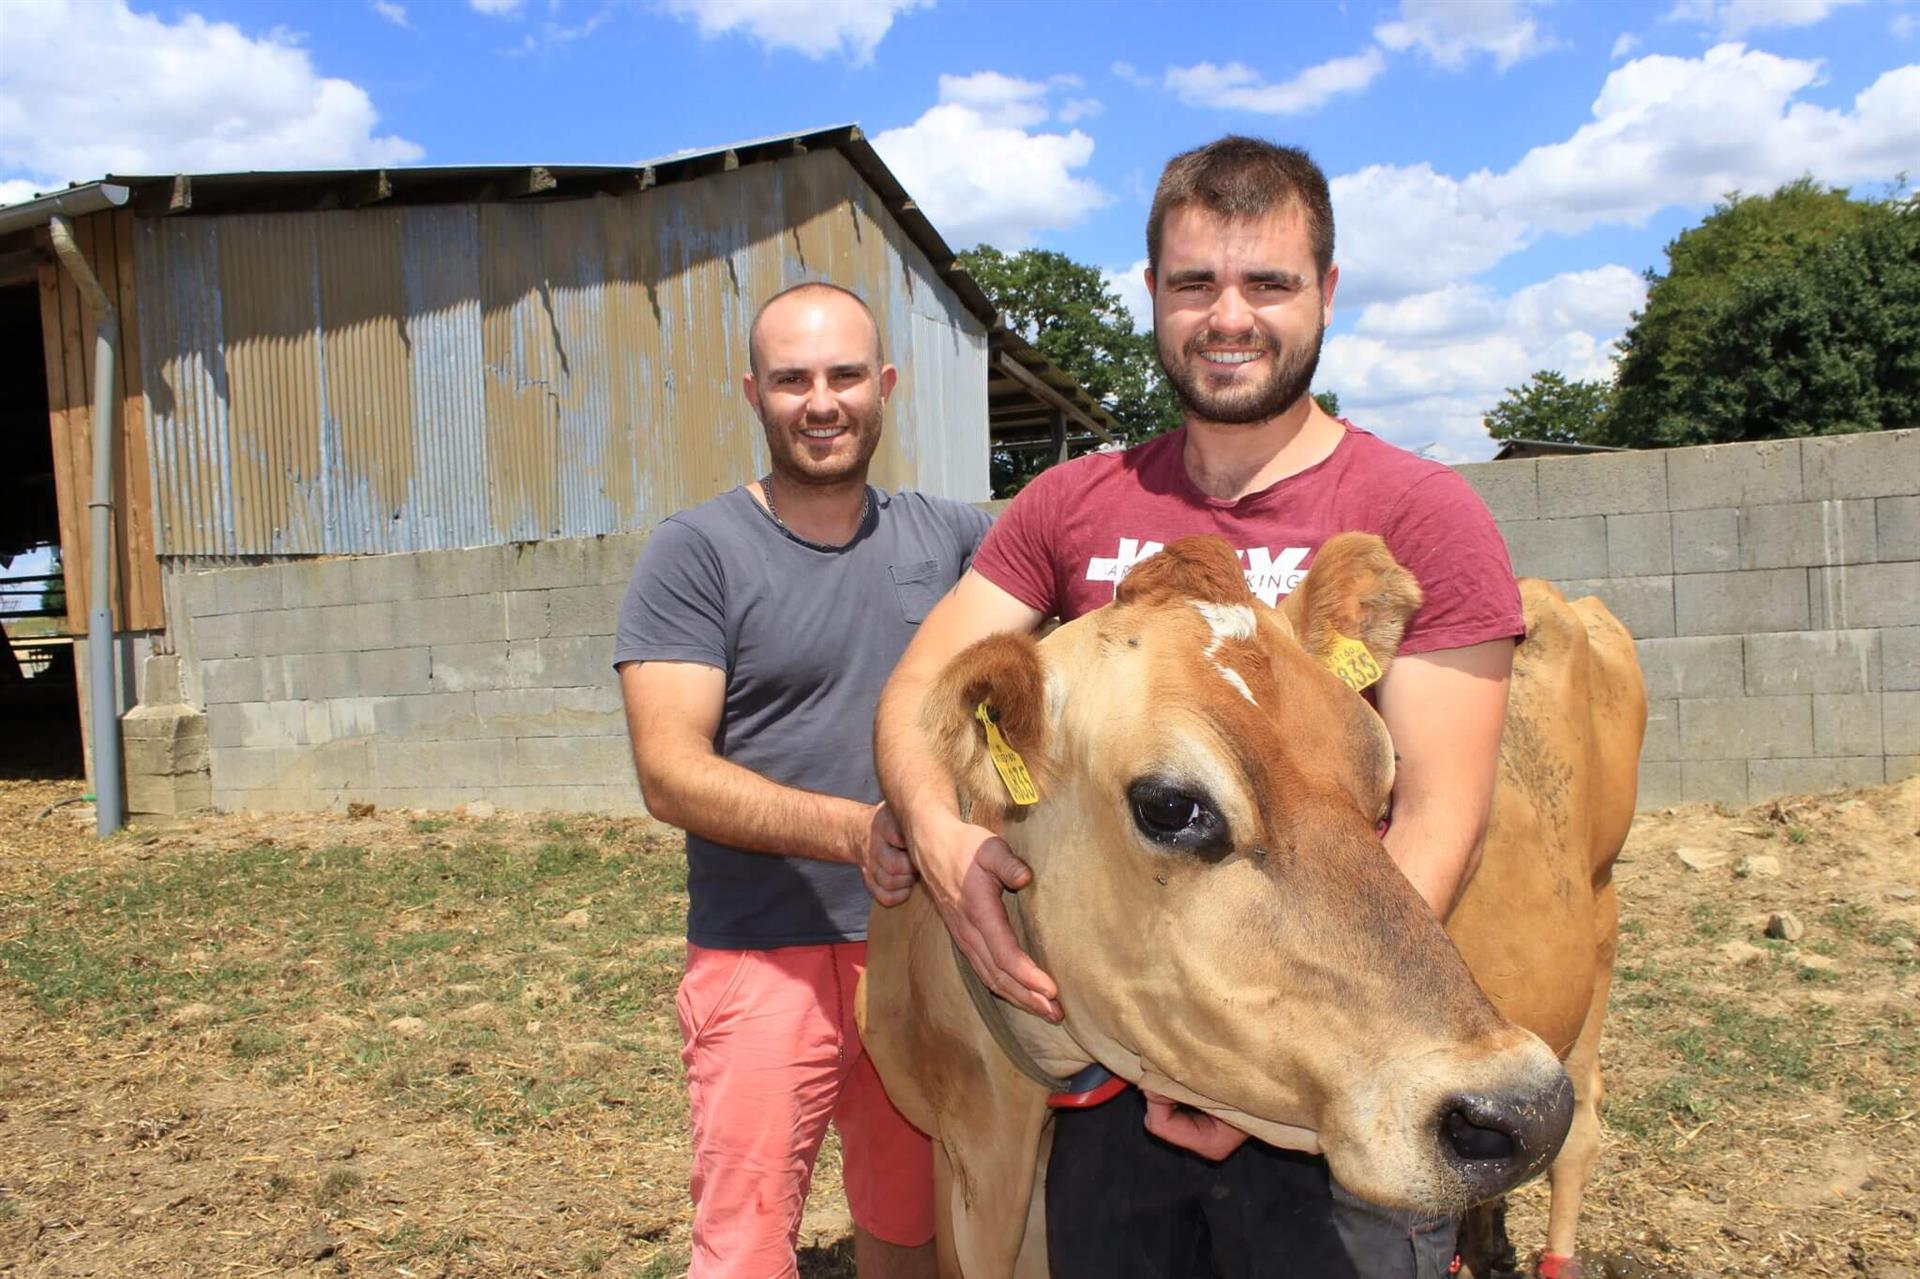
{"x":1351,"y":661}
{"x":1006,"y":760}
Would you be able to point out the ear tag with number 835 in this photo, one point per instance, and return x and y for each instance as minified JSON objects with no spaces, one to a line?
{"x":1006,"y":760}
{"x":1352,"y":662}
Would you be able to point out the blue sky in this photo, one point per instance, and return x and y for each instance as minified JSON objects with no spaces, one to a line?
{"x":1503,"y":170}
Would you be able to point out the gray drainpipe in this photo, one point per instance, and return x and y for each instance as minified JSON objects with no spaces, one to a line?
{"x":110,"y":806}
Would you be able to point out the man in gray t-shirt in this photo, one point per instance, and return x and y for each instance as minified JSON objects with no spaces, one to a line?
{"x":752,"y":646}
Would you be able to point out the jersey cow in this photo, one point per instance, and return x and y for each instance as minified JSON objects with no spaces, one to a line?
{"x":1225,"y":927}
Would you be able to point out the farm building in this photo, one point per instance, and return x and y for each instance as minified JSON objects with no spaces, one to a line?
{"x":421,"y":418}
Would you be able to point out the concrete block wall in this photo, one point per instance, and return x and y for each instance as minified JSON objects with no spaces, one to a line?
{"x":1773,"y":590}
{"x":416,"y":681}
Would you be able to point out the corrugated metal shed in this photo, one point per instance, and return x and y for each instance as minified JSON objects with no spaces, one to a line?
{"x":411,"y":359}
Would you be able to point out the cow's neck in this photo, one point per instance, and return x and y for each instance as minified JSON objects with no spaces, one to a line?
{"x":1227,"y":461}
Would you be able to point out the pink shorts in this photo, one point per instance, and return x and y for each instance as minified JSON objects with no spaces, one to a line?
{"x":773,"y":1054}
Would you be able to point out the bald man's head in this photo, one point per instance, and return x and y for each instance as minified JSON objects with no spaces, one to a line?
{"x":789,"y":306}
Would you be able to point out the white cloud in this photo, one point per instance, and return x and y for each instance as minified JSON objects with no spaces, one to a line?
{"x":1002,"y":101}
{"x":18,"y":190}
{"x":1238,"y":87}
{"x":1130,"y":284}
{"x":1425,"y":369}
{"x":1075,"y":109}
{"x":1734,"y":18}
{"x":1902,"y":26}
{"x":394,"y":13}
{"x":812,"y":28}
{"x":168,"y":97}
{"x":982,"y":172}
{"x":1666,"y":132}
{"x":1450,"y":32}
{"x":1128,"y":72}
{"x":497,"y":8}
{"x":1623,"y":44}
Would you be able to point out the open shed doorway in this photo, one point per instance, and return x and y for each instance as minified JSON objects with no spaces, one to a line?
{"x":39,"y":701}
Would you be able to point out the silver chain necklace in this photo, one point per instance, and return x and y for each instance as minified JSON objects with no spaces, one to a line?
{"x":866,"y":507}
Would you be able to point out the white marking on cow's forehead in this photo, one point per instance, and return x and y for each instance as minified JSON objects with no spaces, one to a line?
{"x":1233,"y":677}
{"x":1228,"y":621}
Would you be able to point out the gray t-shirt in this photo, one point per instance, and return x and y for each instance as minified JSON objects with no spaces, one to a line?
{"x":807,"y":638}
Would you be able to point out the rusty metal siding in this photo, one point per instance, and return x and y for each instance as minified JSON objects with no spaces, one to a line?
{"x":418,"y":378}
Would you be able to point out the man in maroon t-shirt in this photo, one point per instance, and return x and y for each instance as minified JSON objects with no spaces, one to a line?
{"x":1240,"y":253}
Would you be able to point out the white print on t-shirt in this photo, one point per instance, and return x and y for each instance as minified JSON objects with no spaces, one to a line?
{"x":1269,"y":575}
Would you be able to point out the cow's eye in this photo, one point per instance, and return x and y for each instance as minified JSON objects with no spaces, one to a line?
{"x":1176,"y":816}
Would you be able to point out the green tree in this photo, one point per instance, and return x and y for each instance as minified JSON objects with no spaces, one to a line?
{"x":1549,"y":407}
{"x":1071,"y":315}
{"x":1329,"y":402}
{"x":1796,"y":313}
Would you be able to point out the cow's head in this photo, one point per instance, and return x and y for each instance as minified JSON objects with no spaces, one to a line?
{"x":1209,"y":889}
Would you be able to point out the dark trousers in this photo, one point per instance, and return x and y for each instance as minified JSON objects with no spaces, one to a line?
{"x":1125,"y":1205}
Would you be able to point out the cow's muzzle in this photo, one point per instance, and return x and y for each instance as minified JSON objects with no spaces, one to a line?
{"x":1494,"y":1141}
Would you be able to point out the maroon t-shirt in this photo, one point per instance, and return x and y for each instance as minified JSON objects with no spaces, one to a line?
{"x":1065,"y":542}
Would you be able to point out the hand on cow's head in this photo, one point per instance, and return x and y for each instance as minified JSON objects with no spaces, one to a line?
{"x":1355,"y":589}
{"x":1004,"y":674}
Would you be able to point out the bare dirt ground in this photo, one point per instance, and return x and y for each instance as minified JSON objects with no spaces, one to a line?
{"x":436,"y":1045}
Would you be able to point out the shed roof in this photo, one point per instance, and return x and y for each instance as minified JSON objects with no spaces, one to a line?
{"x":1025,"y":387}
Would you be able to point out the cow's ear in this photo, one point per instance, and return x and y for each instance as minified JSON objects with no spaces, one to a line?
{"x":994,"y":689}
{"x":1356,"y":590}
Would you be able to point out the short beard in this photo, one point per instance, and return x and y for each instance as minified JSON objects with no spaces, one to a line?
{"x":790,"y":462}
{"x":1290,"y":379}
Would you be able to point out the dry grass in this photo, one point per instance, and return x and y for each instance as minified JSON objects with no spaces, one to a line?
{"x":441,"y":1045}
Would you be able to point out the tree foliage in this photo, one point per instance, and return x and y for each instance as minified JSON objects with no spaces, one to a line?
{"x":1079,"y":323}
{"x":1796,"y":313}
{"x":1549,"y":407}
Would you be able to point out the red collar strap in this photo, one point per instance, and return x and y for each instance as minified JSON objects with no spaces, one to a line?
{"x":1088,"y":1088}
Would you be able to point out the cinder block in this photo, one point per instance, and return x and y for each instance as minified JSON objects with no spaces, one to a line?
{"x":568,"y":799}
{"x":1639,"y":545}
{"x":1767,"y":778}
{"x":571,"y":661}
{"x":549,"y":712}
{"x":1900,"y":723}
{"x":464,"y":667}
{"x":592,"y":761}
{"x":451,"y":619}
{"x":1662,"y":741}
{"x":1713,"y":781}
{"x":316,"y":583}
{"x":244,"y":590}
{"x":1558,"y":549}
{"x":470,"y":763}
{"x":1734,"y":474}
{"x":1882,"y":464}
{"x":1807,"y":533}
{"x":1813,"y":662}
{"x":1900,"y":657}
{"x":1772,"y":599}
{"x":231,"y":679}
{"x":1693,"y":666}
{"x":1846,"y":724}
{"x":392,"y":671}
{"x":1866,"y":595}
{"x":1746,"y":728}
{"x":1659,"y":784}
{"x":251,"y":768}
{"x":1706,"y":541}
{"x":226,"y":635}
{"x":585,"y":610}
{"x":1644,"y":605}
{"x":526,"y":614}
{"x":1511,"y":490}
{"x":267,"y":724}
{"x":428,"y":717}
{"x":562,"y":562}
{"x":427,"y":574}
{"x":1901,"y":767}
{"x":308,"y":676}
{"x":1897,"y":525}
{"x":1602,"y":484}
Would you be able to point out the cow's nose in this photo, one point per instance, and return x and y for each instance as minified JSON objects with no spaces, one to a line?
{"x":1494,"y":1141}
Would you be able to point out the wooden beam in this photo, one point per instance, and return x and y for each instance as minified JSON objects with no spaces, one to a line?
{"x":180,"y":195}
{"x":1032,"y":382}
{"x":529,"y":181}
